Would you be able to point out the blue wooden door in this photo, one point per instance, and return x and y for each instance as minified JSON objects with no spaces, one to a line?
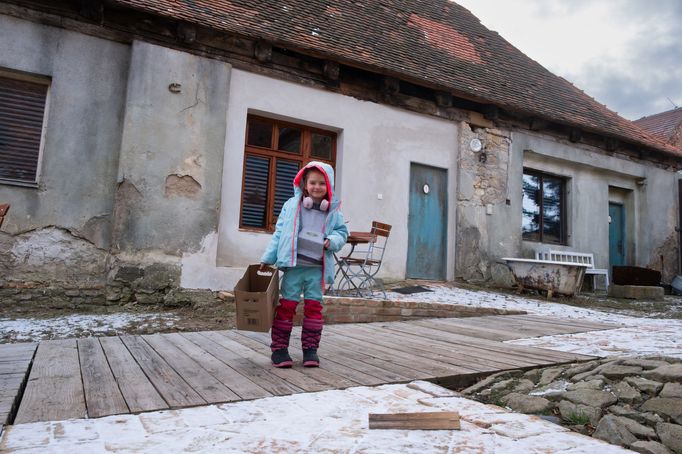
{"x":427,"y":223}
{"x":616,"y":234}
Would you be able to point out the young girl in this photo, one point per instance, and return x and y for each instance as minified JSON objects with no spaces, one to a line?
{"x":309,"y":229}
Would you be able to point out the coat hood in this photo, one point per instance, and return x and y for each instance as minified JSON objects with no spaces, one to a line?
{"x":325,"y":169}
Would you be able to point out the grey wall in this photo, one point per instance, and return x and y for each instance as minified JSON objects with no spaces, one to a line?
{"x":172,"y":151}
{"x":82,"y":139}
{"x":594,"y":179}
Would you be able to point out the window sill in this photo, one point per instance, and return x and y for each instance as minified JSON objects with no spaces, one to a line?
{"x":25,"y":184}
{"x":254,"y":230}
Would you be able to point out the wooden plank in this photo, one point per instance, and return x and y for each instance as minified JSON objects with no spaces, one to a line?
{"x":438,"y":342}
{"x":240,"y":384}
{"x":14,"y":367}
{"x":569,"y":322}
{"x":54,"y":390}
{"x":438,"y":420}
{"x":472,"y":330}
{"x":327,"y":373}
{"x":174,"y":390}
{"x":293,"y":376}
{"x":399,"y":353}
{"x":500,"y":330}
{"x":208,"y":387}
{"x":436,"y":350}
{"x":256,"y":372}
{"x":533,"y":354}
{"x":358,"y":358}
{"x":102,"y":395}
{"x":138,"y":392}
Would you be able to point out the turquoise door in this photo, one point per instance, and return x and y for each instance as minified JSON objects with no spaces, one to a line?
{"x":616,"y":234}
{"x":427,"y":223}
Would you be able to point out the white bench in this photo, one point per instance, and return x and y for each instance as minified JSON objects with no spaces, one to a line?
{"x":576,"y":257}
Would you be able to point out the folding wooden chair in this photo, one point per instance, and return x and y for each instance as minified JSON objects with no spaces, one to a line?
{"x":359,"y":268}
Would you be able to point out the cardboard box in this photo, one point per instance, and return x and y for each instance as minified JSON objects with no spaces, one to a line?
{"x":256,"y":296}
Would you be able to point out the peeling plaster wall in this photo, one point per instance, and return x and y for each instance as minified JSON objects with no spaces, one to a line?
{"x":172,"y":152}
{"x":52,"y":256}
{"x":593,"y":179}
{"x":79,"y":162}
{"x":481,"y":200}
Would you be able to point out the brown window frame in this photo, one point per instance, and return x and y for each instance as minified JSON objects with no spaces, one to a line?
{"x":22,"y":127}
{"x":303,"y":157}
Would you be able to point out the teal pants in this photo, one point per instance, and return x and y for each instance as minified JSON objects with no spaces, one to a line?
{"x":306,"y":280}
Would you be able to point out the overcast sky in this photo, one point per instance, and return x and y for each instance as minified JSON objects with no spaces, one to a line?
{"x":627,"y":54}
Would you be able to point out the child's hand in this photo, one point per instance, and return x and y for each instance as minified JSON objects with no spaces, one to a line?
{"x":264,"y":267}
{"x":326,"y":244}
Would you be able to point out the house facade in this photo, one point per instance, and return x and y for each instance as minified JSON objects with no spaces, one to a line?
{"x":148,"y":146}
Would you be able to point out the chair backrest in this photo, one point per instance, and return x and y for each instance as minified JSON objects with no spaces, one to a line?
{"x":380,"y":231}
{"x":582,"y":258}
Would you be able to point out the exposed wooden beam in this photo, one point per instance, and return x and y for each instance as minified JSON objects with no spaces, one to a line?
{"x":263,"y":52}
{"x":186,"y":33}
{"x":331,"y":70}
{"x":443,"y":99}
{"x":575,"y":135}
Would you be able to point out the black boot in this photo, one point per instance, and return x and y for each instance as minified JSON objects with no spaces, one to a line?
{"x":281,"y":358}
{"x":310,"y":358}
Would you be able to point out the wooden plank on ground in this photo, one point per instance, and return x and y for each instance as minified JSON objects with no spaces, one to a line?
{"x":139,"y":393}
{"x":172,"y":387}
{"x":327,"y":372}
{"x":569,"y":322}
{"x":208,"y":387}
{"x":293,"y":376}
{"x":339,"y":349}
{"x":54,"y":390}
{"x":438,"y":342}
{"x":418,"y":347}
{"x":498,"y":329}
{"x":538,"y":355}
{"x":102,"y":394}
{"x":394,"y":350}
{"x":240,"y":384}
{"x":435,"y":420}
{"x":257,"y":373}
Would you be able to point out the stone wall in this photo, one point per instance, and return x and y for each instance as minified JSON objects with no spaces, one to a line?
{"x":482,"y":190}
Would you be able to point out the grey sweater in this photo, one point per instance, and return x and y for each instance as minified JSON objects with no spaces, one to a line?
{"x":311,"y":236}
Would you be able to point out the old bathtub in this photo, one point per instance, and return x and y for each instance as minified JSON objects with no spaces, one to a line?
{"x":562,"y":278}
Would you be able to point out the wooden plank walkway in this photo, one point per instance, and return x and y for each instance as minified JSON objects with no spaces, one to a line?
{"x":95,"y":377}
{"x":15,"y":360}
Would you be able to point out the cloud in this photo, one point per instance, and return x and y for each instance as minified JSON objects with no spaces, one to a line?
{"x":624,"y":53}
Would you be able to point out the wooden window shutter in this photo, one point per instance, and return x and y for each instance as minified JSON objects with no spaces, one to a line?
{"x":284,"y":188}
{"x":255,"y":194}
{"x":22,"y":109}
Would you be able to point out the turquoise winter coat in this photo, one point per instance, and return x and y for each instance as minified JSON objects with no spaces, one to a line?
{"x":282,"y":249}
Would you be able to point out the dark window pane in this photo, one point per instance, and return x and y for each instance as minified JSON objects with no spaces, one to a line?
{"x":284,"y":183}
{"x":260,"y":133}
{"x":289,"y":140}
{"x":531,"y":208}
{"x":552,"y":190}
{"x":254,"y":196}
{"x":322,"y":146}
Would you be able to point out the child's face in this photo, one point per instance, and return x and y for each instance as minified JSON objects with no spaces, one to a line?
{"x":315,"y":185}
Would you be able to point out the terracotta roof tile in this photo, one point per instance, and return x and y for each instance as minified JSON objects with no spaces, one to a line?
{"x":665,"y":125}
{"x":436,"y":42}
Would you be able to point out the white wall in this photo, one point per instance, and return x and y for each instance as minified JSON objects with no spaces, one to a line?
{"x":375,"y":147}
